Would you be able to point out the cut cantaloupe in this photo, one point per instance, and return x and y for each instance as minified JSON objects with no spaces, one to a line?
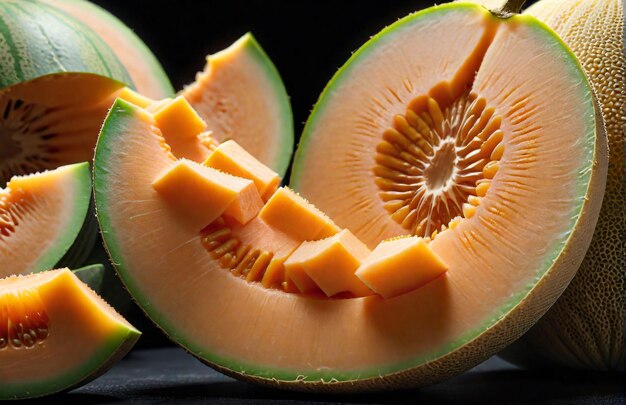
{"x":499,"y":280}
{"x":292,"y":214}
{"x":329,"y":264}
{"x":203,"y":194}
{"x":133,"y":97}
{"x":231,"y":158}
{"x":400,"y":265}
{"x":241,"y":96}
{"x":56,"y":334}
{"x":45,"y":220}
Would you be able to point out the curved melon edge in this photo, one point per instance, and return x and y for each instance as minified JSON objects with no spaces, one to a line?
{"x":108,"y":59}
{"x":281,"y":99}
{"x":78,"y":223}
{"x":167,"y":89}
{"x":511,"y":319}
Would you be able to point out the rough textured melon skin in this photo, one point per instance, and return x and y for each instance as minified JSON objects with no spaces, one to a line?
{"x":586,"y":327}
{"x":143,"y":67}
{"x":39,"y":40}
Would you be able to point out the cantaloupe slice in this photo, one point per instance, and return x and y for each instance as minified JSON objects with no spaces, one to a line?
{"x":506,"y":264}
{"x":400,"y":265}
{"x":56,"y":334}
{"x":45,"y":220}
{"x":241,"y":96}
{"x":143,"y":67}
{"x":57,"y":81}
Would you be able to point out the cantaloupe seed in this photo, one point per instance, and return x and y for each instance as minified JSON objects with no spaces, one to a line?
{"x":437,"y":157}
{"x":23,"y":318}
{"x":14,"y":205}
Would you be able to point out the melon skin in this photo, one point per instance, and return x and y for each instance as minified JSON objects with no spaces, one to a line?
{"x":128,"y":129}
{"x":586,"y":327}
{"x":142,"y":65}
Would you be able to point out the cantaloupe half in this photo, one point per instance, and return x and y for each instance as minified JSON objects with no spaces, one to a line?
{"x":241,"y":96}
{"x":143,"y":67}
{"x":46,"y":220}
{"x":56,"y":334}
{"x":488,"y":278}
{"x":586,"y":328}
{"x":57,"y":80}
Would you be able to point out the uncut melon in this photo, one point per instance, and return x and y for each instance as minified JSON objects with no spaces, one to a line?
{"x":141,"y":64}
{"x":57,"y":80}
{"x":56,"y":334}
{"x":249,"y":295}
{"x":585,"y":329}
{"x":46,"y":220}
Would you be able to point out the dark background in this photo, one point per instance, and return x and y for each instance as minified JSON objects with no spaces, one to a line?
{"x":307,"y":41}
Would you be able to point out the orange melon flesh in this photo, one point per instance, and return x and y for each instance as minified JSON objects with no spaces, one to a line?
{"x":231,"y":158}
{"x":201,"y":194}
{"x":77,"y":334}
{"x":240,"y":326}
{"x":295,"y":216}
{"x":133,"y":97}
{"x":399,"y":266}
{"x":58,"y":118}
{"x":330,"y":264}
{"x":41,"y":215}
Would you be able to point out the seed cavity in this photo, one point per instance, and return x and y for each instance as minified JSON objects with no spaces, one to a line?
{"x":24,"y":321}
{"x":14,"y":205}
{"x":436,"y":161}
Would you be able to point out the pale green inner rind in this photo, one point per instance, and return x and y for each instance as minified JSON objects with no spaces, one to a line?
{"x":40,"y":40}
{"x":76,"y":211}
{"x":122,"y":340}
{"x":280,"y":101}
{"x":156,"y":70}
{"x":122,"y":115}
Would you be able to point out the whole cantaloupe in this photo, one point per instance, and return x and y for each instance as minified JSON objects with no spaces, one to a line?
{"x":585,"y":328}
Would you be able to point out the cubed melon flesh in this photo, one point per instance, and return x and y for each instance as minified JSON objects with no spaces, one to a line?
{"x":400,"y":265}
{"x":231,"y":158}
{"x":202,"y":194}
{"x":133,"y":97}
{"x":295,"y":216}
{"x":330,"y":264}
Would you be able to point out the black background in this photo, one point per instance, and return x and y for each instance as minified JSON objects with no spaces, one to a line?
{"x":307,"y":41}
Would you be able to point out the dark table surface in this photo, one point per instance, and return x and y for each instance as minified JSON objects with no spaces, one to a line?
{"x":169,"y":375}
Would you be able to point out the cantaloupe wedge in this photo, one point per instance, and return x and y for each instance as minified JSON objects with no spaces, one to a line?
{"x":56,"y":334}
{"x":45,"y":220}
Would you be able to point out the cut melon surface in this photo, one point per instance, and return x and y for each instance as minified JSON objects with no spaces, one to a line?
{"x":57,"y":82}
{"x":56,"y":334}
{"x":241,"y":96}
{"x":308,"y":342}
{"x":45,"y":219}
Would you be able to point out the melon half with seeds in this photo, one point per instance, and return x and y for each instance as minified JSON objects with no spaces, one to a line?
{"x":264,"y":286}
{"x":56,"y":334}
{"x":46,"y":220}
{"x":57,"y":80}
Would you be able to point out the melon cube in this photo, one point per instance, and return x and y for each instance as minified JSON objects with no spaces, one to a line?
{"x":178,"y":120}
{"x":330,"y":264}
{"x":204,"y":194}
{"x":231,"y":158}
{"x":133,"y":97}
{"x":288,"y":212}
{"x":400,"y":265}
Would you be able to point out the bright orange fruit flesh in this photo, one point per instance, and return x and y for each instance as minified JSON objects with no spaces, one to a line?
{"x":55,"y":333}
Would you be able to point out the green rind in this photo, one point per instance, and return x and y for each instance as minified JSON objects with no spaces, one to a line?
{"x":122,"y":114}
{"x":152,"y":63}
{"x":91,"y":275}
{"x":116,"y":347}
{"x":280,"y":100}
{"x":38,"y":40}
{"x":81,"y":201}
